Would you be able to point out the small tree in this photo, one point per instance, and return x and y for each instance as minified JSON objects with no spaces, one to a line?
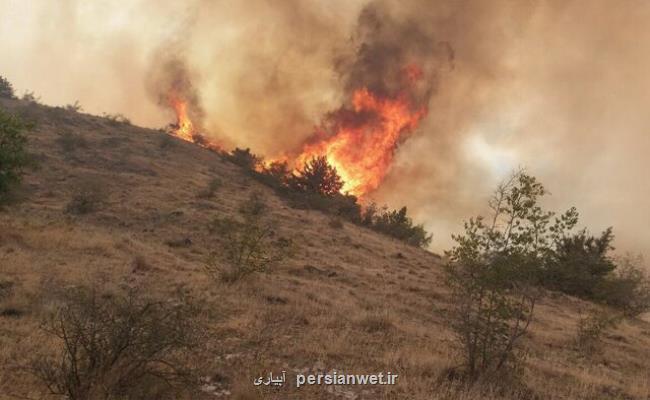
{"x":6,"y":88}
{"x":248,"y":245}
{"x":13,"y":152}
{"x":492,"y":273}
{"x":318,"y":176}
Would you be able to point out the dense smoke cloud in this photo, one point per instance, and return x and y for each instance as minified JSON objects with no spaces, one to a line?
{"x":557,"y":86}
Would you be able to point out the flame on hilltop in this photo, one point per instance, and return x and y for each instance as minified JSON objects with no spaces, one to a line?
{"x":360,"y":141}
{"x":184,"y":127}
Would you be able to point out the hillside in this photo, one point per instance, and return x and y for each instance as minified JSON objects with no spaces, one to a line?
{"x":347,"y":298}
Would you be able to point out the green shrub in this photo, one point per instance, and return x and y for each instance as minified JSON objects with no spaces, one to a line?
{"x":398,"y":225}
{"x":578,"y":263}
{"x":118,"y":346}
{"x":492,"y":273}
{"x":13,"y":152}
{"x":627,"y":288}
{"x":248,"y":245}
{"x":6,"y":88}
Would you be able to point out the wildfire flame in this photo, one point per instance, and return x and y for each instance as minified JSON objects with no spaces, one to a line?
{"x":185,"y":128}
{"x":364,"y":139}
{"x":358,"y":140}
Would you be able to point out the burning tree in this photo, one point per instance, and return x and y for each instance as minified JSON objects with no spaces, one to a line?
{"x":318,"y":176}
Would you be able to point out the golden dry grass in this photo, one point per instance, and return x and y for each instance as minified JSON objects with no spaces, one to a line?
{"x":348,"y":299}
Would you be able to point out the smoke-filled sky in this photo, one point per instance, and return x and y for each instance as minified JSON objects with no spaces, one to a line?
{"x":560,"y":87}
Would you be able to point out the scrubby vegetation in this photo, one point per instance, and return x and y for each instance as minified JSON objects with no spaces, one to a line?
{"x":6,"y":88}
{"x":117,"y":346}
{"x":89,"y":196}
{"x":491,"y":274}
{"x":317,"y":185}
{"x":13,"y":152}
{"x":591,"y":328}
{"x":115,"y":119}
{"x":499,"y":264}
{"x":70,"y":142}
{"x":246,"y":246}
{"x":210,"y":190}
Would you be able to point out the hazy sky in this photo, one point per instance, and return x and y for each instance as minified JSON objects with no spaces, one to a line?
{"x":561,"y":87}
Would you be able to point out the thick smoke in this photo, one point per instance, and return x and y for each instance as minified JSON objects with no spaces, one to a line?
{"x":391,"y":53}
{"x":558,"y":86}
{"x":171,"y":79}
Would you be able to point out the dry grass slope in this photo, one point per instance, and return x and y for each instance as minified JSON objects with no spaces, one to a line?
{"x":348,"y":299}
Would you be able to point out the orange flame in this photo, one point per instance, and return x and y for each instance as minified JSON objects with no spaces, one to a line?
{"x":364,"y":139}
{"x":184,"y":128}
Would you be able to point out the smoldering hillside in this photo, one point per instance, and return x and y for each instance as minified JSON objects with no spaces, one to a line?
{"x":559,"y":87}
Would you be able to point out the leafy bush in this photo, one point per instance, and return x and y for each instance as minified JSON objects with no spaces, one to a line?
{"x":578,"y":263}
{"x":13,"y":152}
{"x":88,"y":197}
{"x":317,"y":176}
{"x":627,"y":288}
{"x":492,"y":273}
{"x":118,"y":346}
{"x":6,"y":88}
{"x":398,"y":225}
{"x":592,"y":327}
{"x":248,"y":245}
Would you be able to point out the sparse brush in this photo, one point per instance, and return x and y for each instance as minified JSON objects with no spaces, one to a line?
{"x":591,"y":328}
{"x":248,"y":245}
{"x":166,"y":141}
{"x":335,"y":223}
{"x":116,"y":119}
{"x":117,"y":345}
{"x":69,"y":142}
{"x":212,"y":187}
{"x":30,"y":97}
{"x":89,"y":196}
{"x":75,"y":107}
{"x":377,"y":323}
